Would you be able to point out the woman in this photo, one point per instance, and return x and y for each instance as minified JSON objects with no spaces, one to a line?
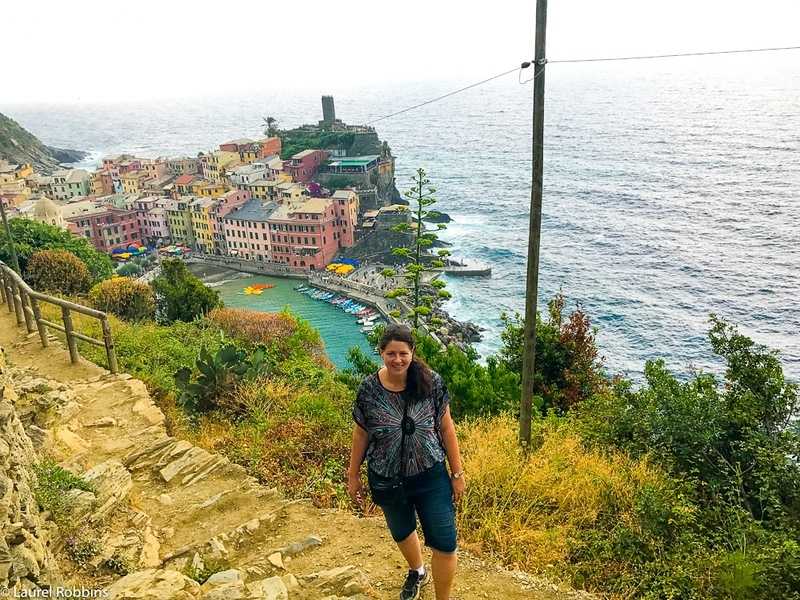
{"x":404,"y":430}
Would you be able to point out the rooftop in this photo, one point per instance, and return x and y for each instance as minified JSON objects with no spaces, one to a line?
{"x":184,"y":179}
{"x":253,"y":210}
{"x":304,"y":153}
{"x":354,"y":161}
{"x":239,"y":142}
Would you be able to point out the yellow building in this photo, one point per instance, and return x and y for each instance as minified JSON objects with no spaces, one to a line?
{"x":202,"y":224}
{"x":208,"y":189}
{"x":179,"y":220}
{"x":217,"y":163}
{"x":133,"y":182}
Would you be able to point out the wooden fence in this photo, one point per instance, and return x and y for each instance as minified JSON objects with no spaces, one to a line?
{"x":24,"y":301}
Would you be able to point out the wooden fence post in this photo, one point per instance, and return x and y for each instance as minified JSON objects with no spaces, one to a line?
{"x":72,"y":343}
{"x":18,"y":304}
{"x":37,"y":314}
{"x":27,"y":311}
{"x":109,"y":342}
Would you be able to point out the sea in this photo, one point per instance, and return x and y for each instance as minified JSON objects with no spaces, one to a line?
{"x":670,"y":192}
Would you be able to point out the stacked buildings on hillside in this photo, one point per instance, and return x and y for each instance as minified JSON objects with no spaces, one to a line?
{"x":240,"y":200}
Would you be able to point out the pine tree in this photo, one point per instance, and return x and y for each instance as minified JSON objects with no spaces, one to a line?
{"x":418,"y":257}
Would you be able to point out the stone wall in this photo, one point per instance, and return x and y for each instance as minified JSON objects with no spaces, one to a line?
{"x":26,"y":562}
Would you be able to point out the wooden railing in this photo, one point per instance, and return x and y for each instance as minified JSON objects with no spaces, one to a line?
{"x":24,"y":301}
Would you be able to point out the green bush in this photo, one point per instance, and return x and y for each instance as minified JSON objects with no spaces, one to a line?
{"x":57,"y":271}
{"x":180,"y":296}
{"x":31,"y":236}
{"x":129,"y":269}
{"x":567,"y":368}
{"x":127,"y":298}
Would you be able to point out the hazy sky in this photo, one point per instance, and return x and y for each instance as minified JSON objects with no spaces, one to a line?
{"x":82,"y":51}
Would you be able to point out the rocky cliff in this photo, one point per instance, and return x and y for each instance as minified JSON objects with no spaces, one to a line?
{"x":19,"y":146}
{"x":26,"y":562}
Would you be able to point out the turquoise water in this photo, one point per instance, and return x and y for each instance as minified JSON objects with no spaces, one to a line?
{"x":339,"y":330}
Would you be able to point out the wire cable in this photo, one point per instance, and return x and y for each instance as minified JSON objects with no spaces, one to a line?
{"x":681,"y":54}
{"x":527,"y":64}
{"x":458,"y":91}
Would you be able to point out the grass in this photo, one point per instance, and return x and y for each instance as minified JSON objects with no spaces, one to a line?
{"x":52,"y":485}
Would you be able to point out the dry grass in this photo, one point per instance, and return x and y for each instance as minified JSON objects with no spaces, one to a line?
{"x":531,"y":511}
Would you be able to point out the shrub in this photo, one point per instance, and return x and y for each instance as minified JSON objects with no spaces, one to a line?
{"x":253,"y":326}
{"x":130,"y":269}
{"x":216,"y":375}
{"x":180,"y":296}
{"x":127,"y":298}
{"x":52,"y":484}
{"x":32,"y":236}
{"x":58,"y":271}
{"x":567,"y":368}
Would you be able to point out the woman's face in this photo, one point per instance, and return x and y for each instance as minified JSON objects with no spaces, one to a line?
{"x":397,"y":357}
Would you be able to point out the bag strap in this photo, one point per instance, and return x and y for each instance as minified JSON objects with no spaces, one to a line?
{"x":403,"y":435}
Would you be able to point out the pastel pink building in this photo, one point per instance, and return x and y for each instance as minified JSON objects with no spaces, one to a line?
{"x":247,"y":231}
{"x":152,"y":220}
{"x":308,"y":234}
{"x":107,"y":227}
{"x":347,"y":205}
{"x":304,"y":165}
{"x":226,"y":203}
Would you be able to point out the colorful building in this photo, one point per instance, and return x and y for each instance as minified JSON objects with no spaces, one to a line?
{"x":184,"y":183}
{"x":183,"y":166}
{"x":304,"y":165}
{"x":243,"y":175}
{"x":133,"y":181}
{"x":152,"y":219}
{"x":347,"y":205}
{"x":69,"y":183}
{"x":179,"y":220}
{"x":218,"y":163}
{"x":225,"y":204}
{"x":209,"y":189}
{"x":305,"y":234}
{"x":107,"y":227}
{"x":247,"y":232}
{"x":202,"y":224}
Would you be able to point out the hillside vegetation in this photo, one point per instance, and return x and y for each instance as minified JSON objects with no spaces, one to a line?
{"x":19,"y":146}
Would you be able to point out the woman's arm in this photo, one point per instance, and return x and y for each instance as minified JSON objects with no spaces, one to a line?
{"x":357,"y":452}
{"x":450,"y":441}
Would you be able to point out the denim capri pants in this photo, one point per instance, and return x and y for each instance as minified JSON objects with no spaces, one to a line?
{"x":429,"y":496}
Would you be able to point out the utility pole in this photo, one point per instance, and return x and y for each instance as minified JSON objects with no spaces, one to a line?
{"x":11,"y":250}
{"x":535,"y":228}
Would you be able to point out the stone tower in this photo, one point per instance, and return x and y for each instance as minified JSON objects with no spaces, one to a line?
{"x":328,"y":111}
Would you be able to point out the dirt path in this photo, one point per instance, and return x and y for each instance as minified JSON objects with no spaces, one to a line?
{"x":178,"y":503}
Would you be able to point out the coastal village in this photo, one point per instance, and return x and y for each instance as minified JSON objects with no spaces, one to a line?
{"x":245,"y":204}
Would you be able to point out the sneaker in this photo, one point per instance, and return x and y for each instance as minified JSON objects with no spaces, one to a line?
{"x":413,"y":585}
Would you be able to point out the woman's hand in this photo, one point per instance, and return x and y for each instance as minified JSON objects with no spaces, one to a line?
{"x":459,"y":485}
{"x":355,"y":489}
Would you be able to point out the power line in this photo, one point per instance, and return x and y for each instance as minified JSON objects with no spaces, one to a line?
{"x":681,"y":54}
{"x":527,"y":64}
{"x":458,"y":91}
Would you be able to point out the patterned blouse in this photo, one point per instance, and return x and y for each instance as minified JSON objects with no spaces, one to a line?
{"x":380,"y":413}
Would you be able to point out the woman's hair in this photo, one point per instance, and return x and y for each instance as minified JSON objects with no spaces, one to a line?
{"x":420,"y":378}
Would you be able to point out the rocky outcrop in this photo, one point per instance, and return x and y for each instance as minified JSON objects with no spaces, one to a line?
{"x":26,"y":562}
{"x":19,"y":146}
